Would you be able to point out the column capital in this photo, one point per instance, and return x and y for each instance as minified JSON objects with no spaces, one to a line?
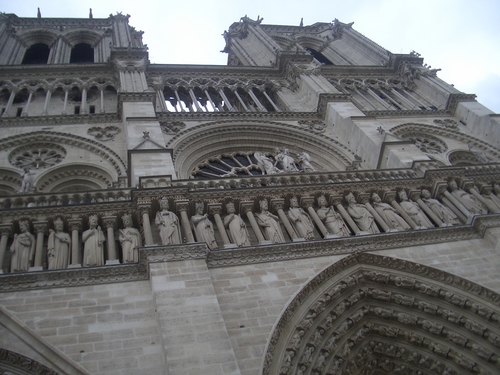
{"x":336,"y":199}
{"x":144,"y":209}
{"x":181,"y":205}
{"x":5,"y":229}
{"x":246,"y":206}
{"x":75,"y":224}
{"x":277,"y":203}
{"x":389,"y":196}
{"x":109,"y":222}
{"x":40,"y":226}
{"x":214,"y":208}
{"x":307,"y":201}
{"x":363,"y":198}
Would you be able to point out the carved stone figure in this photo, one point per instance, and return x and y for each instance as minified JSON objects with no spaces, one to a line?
{"x":269,"y":223}
{"x":285,"y":160}
{"x":237,"y":229}
{"x":22,"y":248}
{"x":442,"y":212}
{"x":265,"y":164}
{"x":93,"y":248}
{"x":305,"y":162}
{"x":469,"y":201}
{"x":389,"y":214}
{"x":491,"y":198}
{"x":168,"y":225}
{"x":300,"y":220}
{"x":363,"y":218}
{"x":414,"y":212}
{"x":28,"y":184}
{"x":333,"y":220}
{"x":58,"y":246}
{"x":130,"y":239}
{"x":203,"y":227}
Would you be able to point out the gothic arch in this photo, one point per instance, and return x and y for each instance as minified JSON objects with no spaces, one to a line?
{"x":379,"y":315}
{"x":10,"y":183}
{"x":74,"y":37}
{"x":74,"y":177}
{"x":196,"y":144}
{"x":31,"y":37}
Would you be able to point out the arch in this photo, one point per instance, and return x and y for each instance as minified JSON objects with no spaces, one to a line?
{"x":90,"y":37}
{"x":74,"y":178}
{"x":380,"y":315}
{"x":33,"y":36}
{"x":82,"y":53}
{"x":38,"y":53}
{"x":10,"y":183}
{"x":194,"y":145}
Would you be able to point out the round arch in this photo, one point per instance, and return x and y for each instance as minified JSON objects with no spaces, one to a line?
{"x":193,"y":146}
{"x":73,"y":178}
{"x":380,"y":315}
{"x":10,"y":183}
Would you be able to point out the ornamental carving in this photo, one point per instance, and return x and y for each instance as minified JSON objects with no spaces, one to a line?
{"x":37,"y":155}
{"x":447,"y":123}
{"x":314,"y":126}
{"x":103,"y":133}
{"x":18,"y":363}
{"x":172,"y":127}
{"x":426,"y":143}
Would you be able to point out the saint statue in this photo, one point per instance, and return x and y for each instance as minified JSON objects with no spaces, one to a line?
{"x":333,"y":220}
{"x":285,"y":160}
{"x":269,"y":223}
{"x":469,"y":201}
{"x":93,"y":248}
{"x":28,"y":184}
{"x":391,"y":217}
{"x":414,"y":212}
{"x":237,"y":229}
{"x":446,"y":215}
{"x":491,"y":198}
{"x":22,"y":249}
{"x":58,"y":246}
{"x":300,"y":220}
{"x":130,"y":240}
{"x":203,"y":228}
{"x":265,"y":164}
{"x":360,"y":214}
{"x":168,"y":225}
{"x":305,"y":162}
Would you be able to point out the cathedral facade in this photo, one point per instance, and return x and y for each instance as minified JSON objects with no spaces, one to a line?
{"x":319,"y":205}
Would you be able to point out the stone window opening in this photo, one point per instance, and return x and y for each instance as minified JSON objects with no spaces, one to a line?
{"x":77,"y":110}
{"x":319,"y":56}
{"x":19,"y":111}
{"x":82,"y":53}
{"x":92,"y":109}
{"x":38,"y":53}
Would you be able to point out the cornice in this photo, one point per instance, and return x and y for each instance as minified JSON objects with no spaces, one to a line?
{"x":211,"y":116}
{"x":51,"y":120}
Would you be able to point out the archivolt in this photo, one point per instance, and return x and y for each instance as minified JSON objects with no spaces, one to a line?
{"x":74,"y":178}
{"x":379,"y":315}
{"x":68,"y":139}
{"x":194,"y":145}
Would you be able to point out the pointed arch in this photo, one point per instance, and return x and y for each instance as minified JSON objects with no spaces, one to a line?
{"x":376,"y":314}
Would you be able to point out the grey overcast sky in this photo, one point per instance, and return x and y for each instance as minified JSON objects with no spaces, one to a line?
{"x":462,"y":37}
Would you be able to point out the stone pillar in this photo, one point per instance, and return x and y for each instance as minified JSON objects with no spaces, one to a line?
{"x":211,"y":101}
{"x":216,"y":209}
{"x":83,"y":109}
{"x":277,"y":204}
{"x":48,"y":95}
{"x":40,"y":230}
{"x":195,"y":101}
{"x":181,"y":207}
{"x":110,"y":225}
{"x":226,"y":100}
{"x":8,"y":106}
{"x":270,"y":101}
{"x":452,"y":207}
{"x":179,"y":100}
{"x":102,"y":100}
{"x":5,"y":232}
{"x":76,"y":226}
{"x":235,"y":91}
{"x":429,"y":212}
{"x":146,"y":224}
{"x":246,"y":207}
{"x":26,"y":108}
{"x":308,"y":202}
{"x":336,"y":200}
{"x":457,"y":204}
{"x":65,"y":105}
{"x":403,"y":213}
{"x":256,"y":100}
{"x":481,"y":199}
{"x":364,"y":199}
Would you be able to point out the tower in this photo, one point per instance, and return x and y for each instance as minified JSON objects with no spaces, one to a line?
{"x":319,"y":205}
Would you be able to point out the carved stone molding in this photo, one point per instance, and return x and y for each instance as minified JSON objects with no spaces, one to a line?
{"x":18,"y":362}
{"x":103,"y":134}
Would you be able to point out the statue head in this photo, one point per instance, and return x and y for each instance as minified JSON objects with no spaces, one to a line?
{"x":322,"y":201}
{"x":426,"y":193}
{"x":24,"y":225}
{"x":93,"y":221}
{"x":350,"y":198}
{"x":164,"y":203}
{"x":376,"y":198}
{"x":199,"y":207}
{"x":452,"y":184}
{"x":230,"y":208}
{"x":127,"y":220}
{"x":402,"y":195}
{"x":263,"y":204}
{"x":58,"y":224}
{"x":294,"y":202}
{"x":496,"y":188}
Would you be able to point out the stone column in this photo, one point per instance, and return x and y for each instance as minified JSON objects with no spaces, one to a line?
{"x":26,"y":108}
{"x":48,"y":95}
{"x":270,"y":101}
{"x":76,"y":226}
{"x":146,"y":224}
{"x":110,"y":225}
{"x":195,"y":100}
{"x":216,"y":209}
{"x":83,"y":109}
{"x":336,"y":200}
{"x":181,"y":207}
{"x":211,"y":101}
{"x":179,"y":100}
{"x":256,"y":100}
{"x":452,"y":207}
{"x":65,"y":105}
{"x":403,"y":213}
{"x":481,"y":199}
{"x":235,"y":91}
{"x":246,"y":207}
{"x":457,"y":204}
{"x":364,"y":199}
{"x":226,"y":101}
{"x":277,"y":204}
{"x":8,"y":106}
{"x":102,"y":100}
{"x":40,"y":230}
{"x":5,"y":232}
{"x":308,"y":202}
{"x":429,"y":212}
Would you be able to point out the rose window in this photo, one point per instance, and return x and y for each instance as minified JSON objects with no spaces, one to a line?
{"x":37,"y":155}
{"x":228,"y":165}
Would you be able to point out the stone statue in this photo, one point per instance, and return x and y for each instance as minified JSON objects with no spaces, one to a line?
{"x":58,"y":246}
{"x":22,"y":249}
{"x":130,"y":239}
{"x":237,"y":229}
{"x":285,"y":160}
{"x":480,"y":155}
{"x":389,"y":214}
{"x":469,"y":201}
{"x":496,"y":188}
{"x":93,"y":248}
{"x":28,"y":184}
{"x":491,"y":198}
{"x":300,"y":220}
{"x":269,"y":223}
{"x":333,"y":220}
{"x":203,"y":227}
{"x":414,"y":212}
{"x":305,"y":162}
{"x":446,"y":215}
{"x":168,"y":225}
{"x":265,"y":164}
{"x":363,"y":218}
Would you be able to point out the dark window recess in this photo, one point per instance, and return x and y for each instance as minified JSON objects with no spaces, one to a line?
{"x":92,"y":109}
{"x":82,"y":53}
{"x":37,"y":54}
{"x":319,"y":56}
{"x":422,"y":107}
{"x":77,"y":109}
{"x":3,"y":111}
{"x":19,"y":111}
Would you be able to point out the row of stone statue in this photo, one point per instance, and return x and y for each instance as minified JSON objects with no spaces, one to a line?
{"x":285,"y":161}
